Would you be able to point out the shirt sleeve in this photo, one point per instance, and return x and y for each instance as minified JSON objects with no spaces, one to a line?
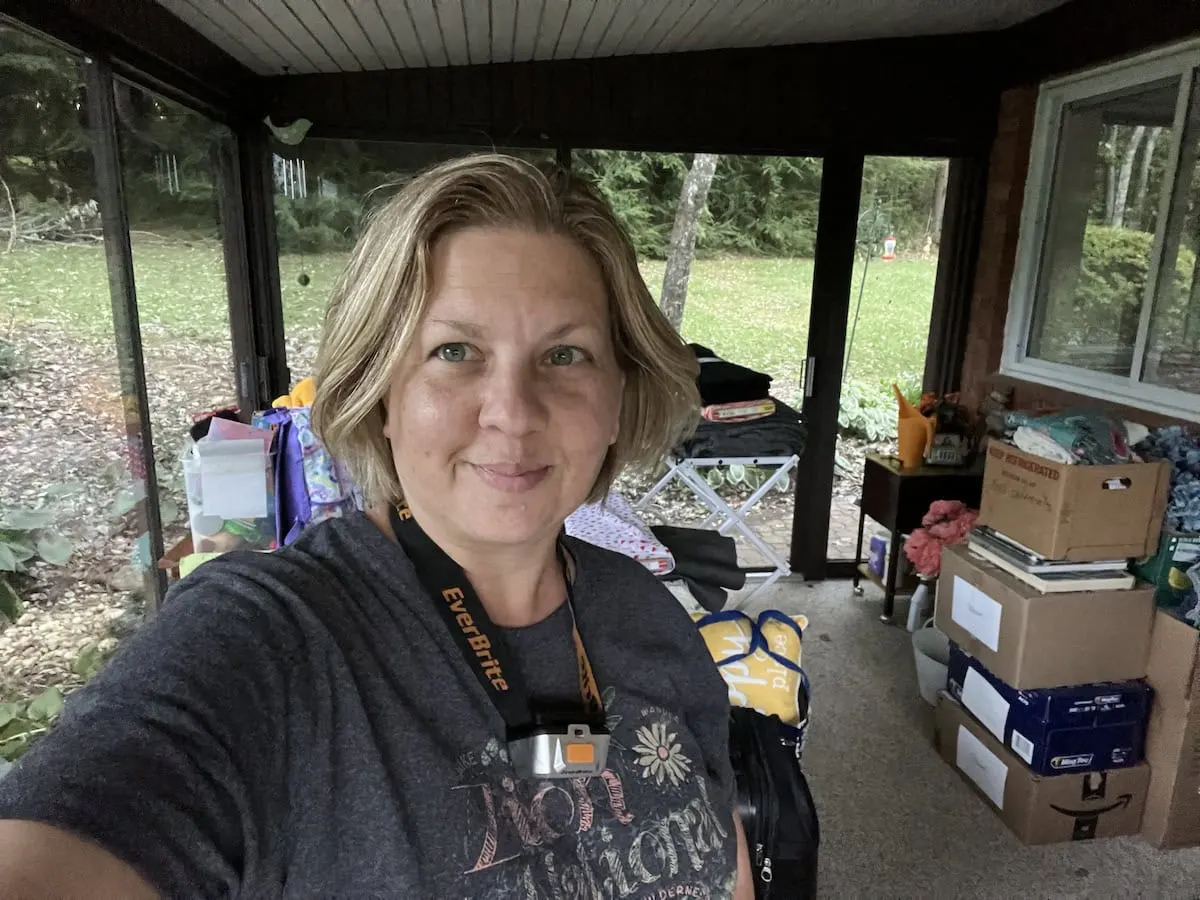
{"x":705,"y":699}
{"x":173,"y":757}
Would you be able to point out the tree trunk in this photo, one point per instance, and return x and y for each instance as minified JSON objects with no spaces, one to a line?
{"x":12,"y":214}
{"x":939,"y":201}
{"x":1126,"y":173}
{"x":1110,"y":172}
{"x":692,"y":200}
{"x":1143,"y":183}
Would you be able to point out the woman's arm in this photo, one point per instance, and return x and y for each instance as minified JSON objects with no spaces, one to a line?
{"x":744,"y":889}
{"x":40,"y":861}
{"x":170,"y":758}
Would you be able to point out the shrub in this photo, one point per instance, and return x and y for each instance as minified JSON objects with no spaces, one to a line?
{"x":1105,"y":306}
{"x":868,"y":410}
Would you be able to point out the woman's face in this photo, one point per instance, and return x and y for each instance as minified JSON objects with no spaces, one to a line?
{"x":501,"y":413}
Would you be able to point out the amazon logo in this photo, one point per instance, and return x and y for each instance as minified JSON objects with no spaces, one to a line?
{"x":1087,"y":820}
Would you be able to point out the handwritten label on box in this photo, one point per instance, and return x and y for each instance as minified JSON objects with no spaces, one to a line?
{"x":982,"y":766}
{"x":985,"y":703}
{"x":978,"y":613}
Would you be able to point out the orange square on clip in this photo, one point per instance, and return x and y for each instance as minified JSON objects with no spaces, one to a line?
{"x":580,"y":754}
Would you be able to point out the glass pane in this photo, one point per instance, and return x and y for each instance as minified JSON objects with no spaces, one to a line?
{"x":899,"y":229}
{"x":68,"y":533}
{"x":323,"y":191}
{"x":746,"y":297}
{"x":1173,"y":349}
{"x":168,"y":164}
{"x":1108,"y":179}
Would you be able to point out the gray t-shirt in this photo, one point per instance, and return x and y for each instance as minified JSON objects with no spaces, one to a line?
{"x":300,"y":724}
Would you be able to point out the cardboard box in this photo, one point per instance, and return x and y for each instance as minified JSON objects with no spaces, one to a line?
{"x":1077,"y":806}
{"x":1076,"y":512}
{"x":1172,"y":816}
{"x":1030,"y":640}
{"x":1086,"y":728}
{"x":1167,"y":569}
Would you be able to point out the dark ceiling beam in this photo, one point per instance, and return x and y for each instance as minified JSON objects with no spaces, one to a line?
{"x":932,"y":96}
{"x":140,"y":39}
{"x":1086,"y":33}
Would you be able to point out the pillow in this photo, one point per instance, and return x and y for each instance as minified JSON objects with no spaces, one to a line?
{"x":759,"y":660}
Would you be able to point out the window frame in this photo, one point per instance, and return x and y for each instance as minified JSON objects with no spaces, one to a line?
{"x":1180,"y":61}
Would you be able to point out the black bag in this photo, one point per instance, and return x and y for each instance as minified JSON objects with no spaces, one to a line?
{"x":776,"y":806}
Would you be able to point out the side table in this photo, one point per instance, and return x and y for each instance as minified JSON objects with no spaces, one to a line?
{"x":898,"y":498}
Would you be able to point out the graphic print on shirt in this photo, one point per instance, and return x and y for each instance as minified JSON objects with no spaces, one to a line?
{"x":646,"y":828}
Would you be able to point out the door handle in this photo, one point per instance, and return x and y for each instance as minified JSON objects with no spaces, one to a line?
{"x":808,"y":377}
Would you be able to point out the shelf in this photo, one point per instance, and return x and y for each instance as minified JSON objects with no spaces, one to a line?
{"x":903,"y":588}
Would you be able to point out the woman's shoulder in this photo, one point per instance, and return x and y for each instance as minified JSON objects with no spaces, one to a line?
{"x":323,"y":565}
{"x":627,"y":589}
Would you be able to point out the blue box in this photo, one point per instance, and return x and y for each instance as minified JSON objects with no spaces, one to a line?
{"x":1084,"y":728}
{"x":877,"y":556}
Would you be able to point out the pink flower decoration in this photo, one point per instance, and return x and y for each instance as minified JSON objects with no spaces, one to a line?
{"x":947,"y":523}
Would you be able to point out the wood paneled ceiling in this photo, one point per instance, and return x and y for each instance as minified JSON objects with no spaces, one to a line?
{"x":277,"y":37}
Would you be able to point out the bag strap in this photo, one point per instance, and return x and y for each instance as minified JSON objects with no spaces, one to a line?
{"x":757,"y":641}
{"x":774,"y":615}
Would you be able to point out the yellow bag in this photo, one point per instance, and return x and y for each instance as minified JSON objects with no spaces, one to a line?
{"x":759,"y":660}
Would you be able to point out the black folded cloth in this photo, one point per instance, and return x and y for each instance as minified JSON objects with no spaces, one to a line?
{"x":705,"y":560}
{"x":721,"y":381}
{"x":782,"y":433}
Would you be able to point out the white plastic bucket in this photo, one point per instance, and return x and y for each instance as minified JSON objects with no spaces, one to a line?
{"x":931,"y":650}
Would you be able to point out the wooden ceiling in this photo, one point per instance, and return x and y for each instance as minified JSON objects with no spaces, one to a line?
{"x":276,"y":37}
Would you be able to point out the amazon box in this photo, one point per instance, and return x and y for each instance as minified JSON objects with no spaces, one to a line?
{"x":1031,"y":640}
{"x":1040,"y":809}
{"x":1078,"y":512}
{"x":1172,"y":817}
{"x":1083,"y":728}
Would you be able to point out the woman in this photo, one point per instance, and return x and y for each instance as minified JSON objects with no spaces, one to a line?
{"x":441,"y":697}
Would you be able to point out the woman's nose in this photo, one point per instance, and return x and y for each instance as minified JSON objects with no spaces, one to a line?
{"x":512,"y":401}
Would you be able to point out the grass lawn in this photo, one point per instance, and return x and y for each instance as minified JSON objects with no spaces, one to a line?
{"x":752,"y":311}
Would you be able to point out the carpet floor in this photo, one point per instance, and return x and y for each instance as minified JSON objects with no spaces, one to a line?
{"x":896,"y":821}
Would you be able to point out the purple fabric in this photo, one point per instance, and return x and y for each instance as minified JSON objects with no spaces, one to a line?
{"x":292,"y":508}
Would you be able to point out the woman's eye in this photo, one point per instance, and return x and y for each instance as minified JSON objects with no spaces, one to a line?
{"x":453,"y":353}
{"x":565,"y":356}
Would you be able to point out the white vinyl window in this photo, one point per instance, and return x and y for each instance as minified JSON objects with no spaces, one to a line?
{"x":1106,"y":293}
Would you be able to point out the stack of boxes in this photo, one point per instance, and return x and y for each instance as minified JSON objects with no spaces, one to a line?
{"x":1076,"y":713}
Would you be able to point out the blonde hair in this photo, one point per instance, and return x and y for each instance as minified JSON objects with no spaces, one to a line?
{"x":382,"y":294}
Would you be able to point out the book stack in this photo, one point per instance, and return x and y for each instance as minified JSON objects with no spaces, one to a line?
{"x":1046,"y":575}
{"x":1046,"y":706}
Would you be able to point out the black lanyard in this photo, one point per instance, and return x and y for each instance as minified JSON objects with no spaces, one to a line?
{"x":481,"y":642}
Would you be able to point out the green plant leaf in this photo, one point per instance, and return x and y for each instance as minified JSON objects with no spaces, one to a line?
{"x":8,"y":558}
{"x":66,"y":489}
{"x":19,"y":725}
{"x":25,"y":519}
{"x":55,"y":549}
{"x":89,"y":661}
{"x":125,"y":501}
{"x":8,"y":712}
{"x":46,"y":706}
{"x":20,"y":549}
{"x":10,"y":602}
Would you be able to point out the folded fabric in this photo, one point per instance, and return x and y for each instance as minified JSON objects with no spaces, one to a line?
{"x":705,"y":560}
{"x":721,"y":381}
{"x":738,"y":412}
{"x":1089,"y":437}
{"x":1041,"y":444}
{"x":782,"y":433}
{"x":614,"y":525}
